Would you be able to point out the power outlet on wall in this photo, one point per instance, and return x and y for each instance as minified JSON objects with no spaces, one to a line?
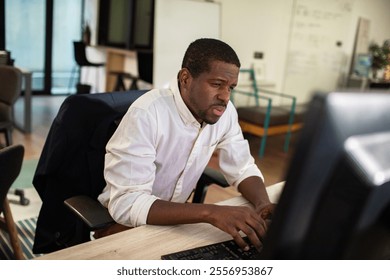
{"x":258,"y":55}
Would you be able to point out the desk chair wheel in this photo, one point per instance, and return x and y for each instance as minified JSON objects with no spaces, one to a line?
{"x":22,"y":198}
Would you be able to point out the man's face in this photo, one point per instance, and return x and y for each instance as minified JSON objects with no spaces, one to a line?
{"x":208,"y":95}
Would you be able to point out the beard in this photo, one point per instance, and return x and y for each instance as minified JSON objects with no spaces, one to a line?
{"x":206,"y":115}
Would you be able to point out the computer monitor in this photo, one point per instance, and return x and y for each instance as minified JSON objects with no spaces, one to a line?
{"x":336,"y":200}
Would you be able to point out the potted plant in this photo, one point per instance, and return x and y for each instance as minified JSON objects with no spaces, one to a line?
{"x":380,"y":57}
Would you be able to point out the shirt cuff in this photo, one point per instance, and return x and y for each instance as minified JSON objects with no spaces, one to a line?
{"x":249,"y":173}
{"x":140,"y":209}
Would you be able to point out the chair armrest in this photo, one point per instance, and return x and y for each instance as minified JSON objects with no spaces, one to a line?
{"x":96,"y":216}
{"x":90,"y":211}
{"x":215,"y":177}
{"x":209,"y":176}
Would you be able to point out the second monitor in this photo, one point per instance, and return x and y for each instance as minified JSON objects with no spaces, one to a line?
{"x":336,"y":201}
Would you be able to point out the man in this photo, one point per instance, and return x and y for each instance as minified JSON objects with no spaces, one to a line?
{"x":165,"y":141}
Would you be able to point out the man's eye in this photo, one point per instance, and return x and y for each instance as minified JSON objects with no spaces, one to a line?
{"x":216,"y":84}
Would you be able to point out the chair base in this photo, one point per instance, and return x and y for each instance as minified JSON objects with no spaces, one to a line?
{"x":120,"y":81}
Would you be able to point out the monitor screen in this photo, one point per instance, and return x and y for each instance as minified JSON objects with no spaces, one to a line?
{"x":336,"y":200}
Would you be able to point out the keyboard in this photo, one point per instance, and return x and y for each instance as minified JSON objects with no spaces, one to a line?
{"x":227,"y":250}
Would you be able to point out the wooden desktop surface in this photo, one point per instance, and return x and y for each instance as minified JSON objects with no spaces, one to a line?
{"x":150,"y":242}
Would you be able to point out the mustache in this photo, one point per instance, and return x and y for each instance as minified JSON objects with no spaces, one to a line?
{"x":221,"y":104}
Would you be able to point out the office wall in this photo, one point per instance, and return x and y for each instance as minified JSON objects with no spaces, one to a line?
{"x":268,"y":26}
{"x":316,"y":57}
{"x":177,"y":24}
{"x":251,"y":26}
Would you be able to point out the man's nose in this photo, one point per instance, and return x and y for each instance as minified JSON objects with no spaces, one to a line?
{"x":225,"y":94}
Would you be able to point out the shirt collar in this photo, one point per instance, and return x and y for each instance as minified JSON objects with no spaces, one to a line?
{"x":182,"y":108}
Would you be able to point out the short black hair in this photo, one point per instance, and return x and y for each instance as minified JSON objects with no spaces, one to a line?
{"x":202,"y":52}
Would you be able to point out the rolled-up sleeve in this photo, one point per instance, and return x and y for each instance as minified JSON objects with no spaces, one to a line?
{"x":130,"y":170}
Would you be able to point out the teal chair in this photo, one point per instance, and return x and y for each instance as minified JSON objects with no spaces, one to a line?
{"x":264,"y":119}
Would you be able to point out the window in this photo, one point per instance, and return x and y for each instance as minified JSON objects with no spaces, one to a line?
{"x":39,"y":35}
{"x":126,"y":24}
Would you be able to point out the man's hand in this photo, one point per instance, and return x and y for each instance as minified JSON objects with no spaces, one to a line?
{"x":231,"y":219}
{"x":236,"y":219}
{"x":266,"y":211}
{"x":253,"y":189}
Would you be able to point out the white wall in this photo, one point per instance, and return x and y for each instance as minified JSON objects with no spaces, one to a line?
{"x":177,"y":24}
{"x":267,"y":25}
{"x":258,"y":25}
{"x":377,"y":11}
{"x":264,"y":25}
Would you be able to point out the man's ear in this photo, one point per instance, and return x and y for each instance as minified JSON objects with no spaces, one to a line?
{"x":184,"y":78}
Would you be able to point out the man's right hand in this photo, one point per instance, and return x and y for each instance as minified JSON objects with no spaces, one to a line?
{"x":236,"y":219}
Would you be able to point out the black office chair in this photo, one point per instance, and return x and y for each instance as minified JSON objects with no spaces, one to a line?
{"x":145,"y":73}
{"x":71,"y":165}
{"x":80,"y":56}
{"x":10,"y":88}
{"x":97,"y":217}
{"x":11,"y":159}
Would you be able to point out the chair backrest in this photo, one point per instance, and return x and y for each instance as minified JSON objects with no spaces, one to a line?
{"x":145,"y":66}
{"x":11,"y":159}
{"x":80,"y":54}
{"x":10,"y":88}
{"x":72,"y":163}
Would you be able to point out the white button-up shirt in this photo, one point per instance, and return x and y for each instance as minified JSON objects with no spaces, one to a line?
{"x":160,"y":150}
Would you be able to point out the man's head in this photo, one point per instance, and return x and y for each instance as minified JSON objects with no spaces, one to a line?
{"x":201,"y":52}
{"x":209,"y":72}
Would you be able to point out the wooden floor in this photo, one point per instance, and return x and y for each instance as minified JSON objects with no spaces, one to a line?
{"x":45,"y":108}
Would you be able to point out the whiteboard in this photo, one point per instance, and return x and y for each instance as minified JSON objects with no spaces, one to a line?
{"x":177,"y":24}
{"x":315,"y":58}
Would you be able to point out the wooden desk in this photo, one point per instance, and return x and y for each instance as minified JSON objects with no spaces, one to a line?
{"x":116,"y":61}
{"x":150,"y":242}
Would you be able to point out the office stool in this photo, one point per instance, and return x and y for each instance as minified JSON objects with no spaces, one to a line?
{"x":81,"y":59}
{"x":145,"y":73}
{"x":120,"y":81}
